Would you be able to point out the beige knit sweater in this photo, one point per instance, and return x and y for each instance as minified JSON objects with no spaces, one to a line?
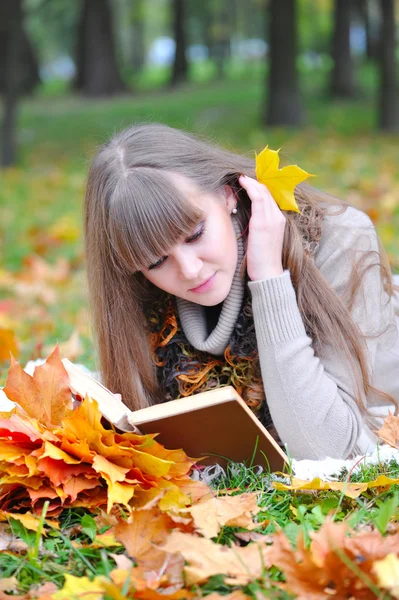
{"x":311,"y":399}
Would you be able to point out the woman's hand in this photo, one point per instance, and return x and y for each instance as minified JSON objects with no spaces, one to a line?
{"x":266,"y":232}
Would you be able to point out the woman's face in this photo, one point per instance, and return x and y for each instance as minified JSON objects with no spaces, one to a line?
{"x":200,"y":268}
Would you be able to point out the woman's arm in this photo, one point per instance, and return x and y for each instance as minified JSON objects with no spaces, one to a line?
{"x":311,"y":399}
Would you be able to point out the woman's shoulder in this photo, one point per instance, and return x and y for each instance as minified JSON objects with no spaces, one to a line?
{"x":345,"y":227}
{"x":345,"y":216}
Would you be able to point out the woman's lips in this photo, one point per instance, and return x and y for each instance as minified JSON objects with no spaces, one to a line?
{"x":204,"y":287}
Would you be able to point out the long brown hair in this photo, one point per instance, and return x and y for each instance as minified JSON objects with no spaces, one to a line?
{"x":134,"y":214}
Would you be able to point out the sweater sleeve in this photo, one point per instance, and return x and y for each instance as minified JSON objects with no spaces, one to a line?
{"x":312,"y":398}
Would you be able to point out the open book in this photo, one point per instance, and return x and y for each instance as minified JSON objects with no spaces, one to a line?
{"x":215,"y":424}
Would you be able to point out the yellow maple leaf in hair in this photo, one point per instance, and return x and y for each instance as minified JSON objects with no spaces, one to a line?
{"x":280,"y":182}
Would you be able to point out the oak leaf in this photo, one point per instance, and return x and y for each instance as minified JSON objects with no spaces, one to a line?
{"x":280,"y":182}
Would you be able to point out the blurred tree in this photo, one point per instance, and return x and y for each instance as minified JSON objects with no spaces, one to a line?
{"x":11,"y":35}
{"x":284,"y":106}
{"x":221,"y":29}
{"x":388,"y":88}
{"x":137,"y":35}
{"x":342,"y":83}
{"x":97,"y":71}
{"x":180,"y":63}
{"x":28,"y":69}
{"x":314,"y":26}
{"x":51,"y":25}
{"x":369,"y":11}
{"x":200,"y":18}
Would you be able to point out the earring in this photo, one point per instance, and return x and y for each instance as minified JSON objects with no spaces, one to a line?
{"x":234,"y":211}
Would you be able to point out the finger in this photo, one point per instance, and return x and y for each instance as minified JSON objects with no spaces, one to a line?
{"x":253,"y":184}
{"x":262,"y":200}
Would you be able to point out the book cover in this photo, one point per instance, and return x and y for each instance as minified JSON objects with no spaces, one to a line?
{"x":216,"y":426}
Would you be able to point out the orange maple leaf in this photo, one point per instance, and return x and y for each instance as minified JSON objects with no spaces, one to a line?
{"x":46,"y":396}
{"x":389,"y":432}
{"x":145,"y":530}
{"x":324,"y":568}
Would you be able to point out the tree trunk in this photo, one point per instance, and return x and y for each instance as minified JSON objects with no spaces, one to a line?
{"x":221,"y":36}
{"x":343,"y":75}
{"x":138,"y":52}
{"x":180,"y":64}
{"x":388,"y":89}
{"x":97,"y":71}
{"x":11,"y":27}
{"x":28,"y":69}
{"x":284,"y":105}
{"x":371,"y":28}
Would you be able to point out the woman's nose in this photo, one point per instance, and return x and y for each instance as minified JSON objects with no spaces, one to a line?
{"x":189,"y":265}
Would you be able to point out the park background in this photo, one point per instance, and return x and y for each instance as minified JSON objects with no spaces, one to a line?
{"x":318,"y":78}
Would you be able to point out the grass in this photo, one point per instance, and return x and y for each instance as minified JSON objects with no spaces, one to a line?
{"x":70,"y":549}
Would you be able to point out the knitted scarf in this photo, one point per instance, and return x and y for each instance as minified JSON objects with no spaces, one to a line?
{"x":182,"y":370}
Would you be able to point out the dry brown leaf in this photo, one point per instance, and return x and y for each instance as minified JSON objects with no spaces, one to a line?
{"x":210,"y":514}
{"x":205,"y":558}
{"x":122,"y":561}
{"x":253,"y":536}
{"x":8,"y":584}
{"x":236,"y":595}
{"x":142,"y":535}
{"x":389,"y":431}
{"x":321,"y":570}
{"x":9,"y":542}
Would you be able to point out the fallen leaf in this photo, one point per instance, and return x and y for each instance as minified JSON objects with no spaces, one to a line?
{"x":45,"y":396}
{"x":8,"y":584}
{"x":81,"y":587}
{"x":387,"y":571}
{"x":330,"y":566}
{"x":205,"y":558}
{"x":389,"y":432}
{"x":142,"y":535}
{"x":352,"y":490}
{"x":8,"y":344}
{"x":218,"y":511}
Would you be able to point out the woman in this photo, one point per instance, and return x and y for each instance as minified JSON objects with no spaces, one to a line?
{"x":197,"y":279}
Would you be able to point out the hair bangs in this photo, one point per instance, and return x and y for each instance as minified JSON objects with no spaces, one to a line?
{"x":148,"y":216}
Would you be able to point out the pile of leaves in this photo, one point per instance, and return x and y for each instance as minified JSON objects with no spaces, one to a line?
{"x":89,"y":512}
{"x":50,"y":451}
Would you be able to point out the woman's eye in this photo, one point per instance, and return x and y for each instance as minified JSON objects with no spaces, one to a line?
{"x":157,"y":264}
{"x":194,"y":237}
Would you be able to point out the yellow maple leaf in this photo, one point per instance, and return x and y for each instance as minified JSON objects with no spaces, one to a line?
{"x":352,"y":490}
{"x":280,"y":182}
{"x":81,"y":587}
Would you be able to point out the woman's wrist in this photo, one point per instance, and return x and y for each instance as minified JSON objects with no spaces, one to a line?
{"x":267,"y":273}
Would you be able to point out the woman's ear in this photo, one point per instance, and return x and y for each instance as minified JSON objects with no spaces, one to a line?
{"x":230,"y":198}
